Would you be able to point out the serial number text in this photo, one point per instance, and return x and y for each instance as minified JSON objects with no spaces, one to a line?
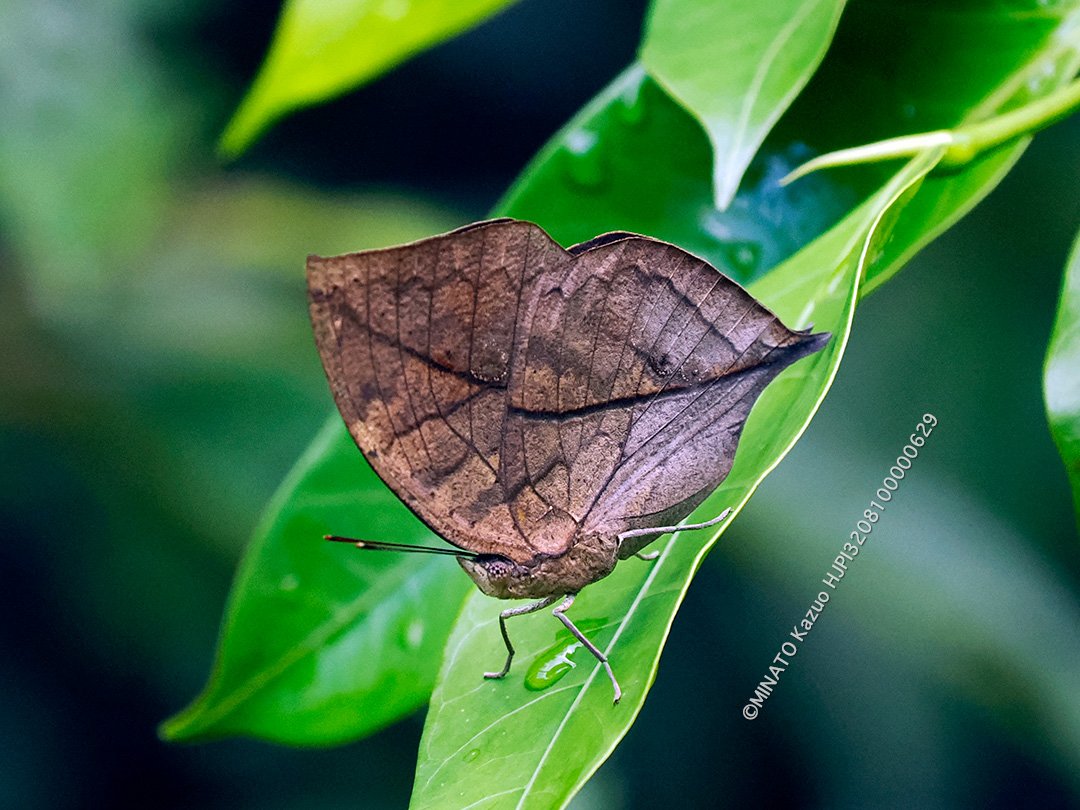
{"x":864,"y":526}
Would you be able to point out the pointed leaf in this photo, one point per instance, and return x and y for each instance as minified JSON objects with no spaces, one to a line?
{"x":322,"y":644}
{"x":321,"y":50}
{"x":736,"y":67}
{"x":1062,"y":374}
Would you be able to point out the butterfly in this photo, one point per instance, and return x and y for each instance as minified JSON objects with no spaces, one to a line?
{"x":547,"y":412}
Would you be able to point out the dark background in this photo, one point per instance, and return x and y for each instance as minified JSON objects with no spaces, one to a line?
{"x":159,"y":380}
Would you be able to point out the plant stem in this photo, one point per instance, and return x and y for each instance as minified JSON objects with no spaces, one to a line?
{"x":962,"y":144}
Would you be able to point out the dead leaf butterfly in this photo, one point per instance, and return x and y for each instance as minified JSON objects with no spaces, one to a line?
{"x":548,"y":412}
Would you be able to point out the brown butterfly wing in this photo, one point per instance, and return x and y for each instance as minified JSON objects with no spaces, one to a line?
{"x":639,"y":370}
{"x":417,"y":343}
{"x":514,"y":394}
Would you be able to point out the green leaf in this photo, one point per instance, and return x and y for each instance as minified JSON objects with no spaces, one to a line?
{"x":1041,"y":56}
{"x":320,"y":50}
{"x":1061,"y":378}
{"x":736,"y":66}
{"x":984,"y":64}
{"x":496,"y":745}
{"x":323,"y":644}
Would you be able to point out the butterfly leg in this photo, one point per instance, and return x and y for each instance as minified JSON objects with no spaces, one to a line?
{"x":652,"y":555}
{"x":560,"y":614}
{"x":506,"y":614}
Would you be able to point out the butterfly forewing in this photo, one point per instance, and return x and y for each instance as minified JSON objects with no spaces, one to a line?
{"x":416,"y":342}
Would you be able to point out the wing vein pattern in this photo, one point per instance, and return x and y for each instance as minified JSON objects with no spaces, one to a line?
{"x":518,"y":396}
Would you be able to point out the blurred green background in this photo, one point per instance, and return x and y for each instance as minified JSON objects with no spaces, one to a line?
{"x":158,"y":378}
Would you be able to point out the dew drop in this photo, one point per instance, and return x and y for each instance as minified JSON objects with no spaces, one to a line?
{"x":552,"y":664}
{"x":412,"y":634}
{"x":469,"y":757}
{"x":585,"y":165}
{"x":289,"y":582}
{"x":744,"y":257}
{"x":631,"y":108}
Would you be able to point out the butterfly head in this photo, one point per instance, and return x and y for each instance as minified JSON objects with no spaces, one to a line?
{"x":496,"y":575}
{"x":589,"y":557}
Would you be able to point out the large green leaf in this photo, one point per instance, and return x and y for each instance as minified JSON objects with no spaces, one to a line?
{"x":320,"y":50}
{"x":1062,"y":374}
{"x":321,"y":644}
{"x":736,"y":66}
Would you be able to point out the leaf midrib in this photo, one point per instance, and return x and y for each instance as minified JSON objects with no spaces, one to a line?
{"x":638,"y":597}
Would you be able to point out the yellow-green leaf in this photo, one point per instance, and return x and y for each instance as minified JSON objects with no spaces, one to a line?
{"x":320,"y":50}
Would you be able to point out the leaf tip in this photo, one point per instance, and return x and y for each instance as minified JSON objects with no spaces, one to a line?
{"x":798,"y":172}
{"x":238,"y":134}
{"x":256,"y":112}
{"x":181,"y":727}
{"x":191,"y":724}
{"x":725,"y":184}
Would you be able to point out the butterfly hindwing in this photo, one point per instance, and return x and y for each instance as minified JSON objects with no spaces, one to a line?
{"x":641,"y":368}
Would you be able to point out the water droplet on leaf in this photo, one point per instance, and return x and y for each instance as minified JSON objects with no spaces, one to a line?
{"x":469,"y":757}
{"x":552,"y":664}
{"x":631,"y":107}
{"x":744,"y":257}
{"x":585,"y":164}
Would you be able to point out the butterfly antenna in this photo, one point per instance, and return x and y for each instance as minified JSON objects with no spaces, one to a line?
{"x":666,"y":529}
{"x":378,"y":545}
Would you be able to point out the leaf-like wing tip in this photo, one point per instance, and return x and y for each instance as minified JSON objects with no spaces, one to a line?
{"x":803,"y":344}
{"x":813,"y":342}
